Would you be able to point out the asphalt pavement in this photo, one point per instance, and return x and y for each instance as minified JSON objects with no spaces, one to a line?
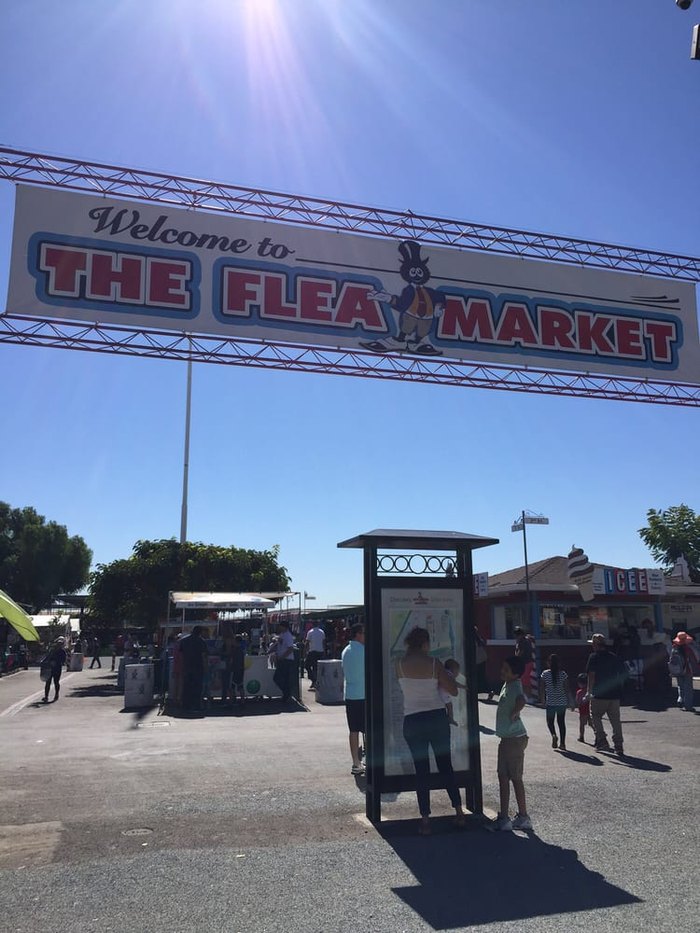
{"x":121,"y":821}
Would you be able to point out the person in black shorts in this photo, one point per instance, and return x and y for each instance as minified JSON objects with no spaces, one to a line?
{"x":353,"y":659}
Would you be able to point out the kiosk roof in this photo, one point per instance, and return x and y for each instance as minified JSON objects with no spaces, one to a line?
{"x":402,"y":538}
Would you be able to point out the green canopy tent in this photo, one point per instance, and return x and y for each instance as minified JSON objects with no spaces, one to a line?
{"x":18,"y":618}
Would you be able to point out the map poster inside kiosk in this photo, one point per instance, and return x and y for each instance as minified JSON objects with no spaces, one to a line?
{"x":440,"y":612}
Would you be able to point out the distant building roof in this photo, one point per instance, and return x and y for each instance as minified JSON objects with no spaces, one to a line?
{"x":553,"y":571}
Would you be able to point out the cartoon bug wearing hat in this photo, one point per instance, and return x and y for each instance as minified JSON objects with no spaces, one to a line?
{"x":417,"y":305}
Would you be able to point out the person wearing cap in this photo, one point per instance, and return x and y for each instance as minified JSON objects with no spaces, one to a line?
{"x":606,"y":679}
{"x":56,"y":658}
{"x":684,"y":645}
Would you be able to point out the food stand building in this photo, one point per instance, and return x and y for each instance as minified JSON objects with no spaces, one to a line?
{"x":553,"y":608}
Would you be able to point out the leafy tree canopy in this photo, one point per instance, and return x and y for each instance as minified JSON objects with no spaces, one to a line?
{"x":134,"y":590}
{"x":672,"y":533}
{"x":38,"y":559}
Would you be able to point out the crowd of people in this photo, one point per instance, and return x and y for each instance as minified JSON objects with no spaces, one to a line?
{"x":428,"y":688}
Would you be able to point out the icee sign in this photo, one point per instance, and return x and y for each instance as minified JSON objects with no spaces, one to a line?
{"x":98,"y":259}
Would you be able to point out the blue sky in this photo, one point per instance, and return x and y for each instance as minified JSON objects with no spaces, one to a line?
{"x":577,"y":118}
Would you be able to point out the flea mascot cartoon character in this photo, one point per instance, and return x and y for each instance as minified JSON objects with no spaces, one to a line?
{"x":417,"y":305}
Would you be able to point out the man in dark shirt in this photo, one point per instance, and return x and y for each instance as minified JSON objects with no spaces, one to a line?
{"x":95,"y":653}
{"x":194,"y":658}
{"x":606,"y":679}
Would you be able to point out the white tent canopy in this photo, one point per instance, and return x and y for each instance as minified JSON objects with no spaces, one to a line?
{"x":65,"y":622}
{"x":220,"y":601}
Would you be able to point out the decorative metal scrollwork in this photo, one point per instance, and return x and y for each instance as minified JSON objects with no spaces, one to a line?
{"x":434,"y":565}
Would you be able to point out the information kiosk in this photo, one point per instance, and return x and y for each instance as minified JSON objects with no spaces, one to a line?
{"x":407,"y":584}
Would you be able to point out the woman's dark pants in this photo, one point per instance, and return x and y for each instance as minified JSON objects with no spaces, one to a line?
{"x":55,"y":678}
{"x":422,"y":732}
{"x":560,"y":713}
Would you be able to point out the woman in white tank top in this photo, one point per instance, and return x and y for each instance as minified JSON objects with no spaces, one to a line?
{"x":425,"y":723}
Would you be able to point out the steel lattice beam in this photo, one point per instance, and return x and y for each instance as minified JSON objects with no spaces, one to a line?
{"x":159,"y":344}
{"x":179,"y":191}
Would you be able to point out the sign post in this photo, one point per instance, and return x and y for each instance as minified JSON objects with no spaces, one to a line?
{"x":519,"y":525}
{"x":406,"y":585}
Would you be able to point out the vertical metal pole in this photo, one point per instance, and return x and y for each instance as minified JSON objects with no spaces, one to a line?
{"x":465,"y":576}
{"x":374,"y":693}
{"x":528,"y":612}
{"x":186,"y":463}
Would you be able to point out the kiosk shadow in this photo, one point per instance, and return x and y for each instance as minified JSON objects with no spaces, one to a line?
{"x":509,"y":878}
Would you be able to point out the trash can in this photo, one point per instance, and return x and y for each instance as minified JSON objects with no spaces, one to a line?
{"x":76,"y":661}
{"x":329,"y":682}
{"x":138,"y":685}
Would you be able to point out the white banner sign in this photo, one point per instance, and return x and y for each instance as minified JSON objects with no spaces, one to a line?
{"x":98,"y":259}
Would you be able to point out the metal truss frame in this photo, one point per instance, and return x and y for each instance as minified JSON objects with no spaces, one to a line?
{"x":173,"y":345}
{"x":178,"y":191}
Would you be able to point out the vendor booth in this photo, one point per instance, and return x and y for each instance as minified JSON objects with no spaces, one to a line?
{"x":221,"y":617}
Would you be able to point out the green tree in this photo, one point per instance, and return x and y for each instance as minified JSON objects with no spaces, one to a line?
{"x":672,"y":533}
{"x":38,"y":559}
{"x":135,"y":589}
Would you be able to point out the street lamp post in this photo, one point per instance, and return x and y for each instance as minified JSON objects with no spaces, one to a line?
{"x":527,"y":518}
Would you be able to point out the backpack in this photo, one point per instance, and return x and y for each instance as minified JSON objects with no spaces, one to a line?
{"x":676,"y":664}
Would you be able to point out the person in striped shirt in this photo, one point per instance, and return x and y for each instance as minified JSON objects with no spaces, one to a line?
{"x":556,"y":696}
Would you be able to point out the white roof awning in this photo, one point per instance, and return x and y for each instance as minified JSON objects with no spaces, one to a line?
{"x":222,"y":601}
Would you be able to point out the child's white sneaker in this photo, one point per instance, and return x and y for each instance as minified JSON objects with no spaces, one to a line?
{"x":521,"y":822}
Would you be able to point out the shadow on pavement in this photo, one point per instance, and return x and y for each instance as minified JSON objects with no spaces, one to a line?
{"x":95,"y":690}
{"x":486,"y":730}
{"x":238,"y":711}
{"x":583,"y":759}
{"x":651,"y":703}
{"x":640,"y":764}
{"x":508,"y":877}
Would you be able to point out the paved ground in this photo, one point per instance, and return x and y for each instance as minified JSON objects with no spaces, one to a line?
{"x":113,"y":821}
